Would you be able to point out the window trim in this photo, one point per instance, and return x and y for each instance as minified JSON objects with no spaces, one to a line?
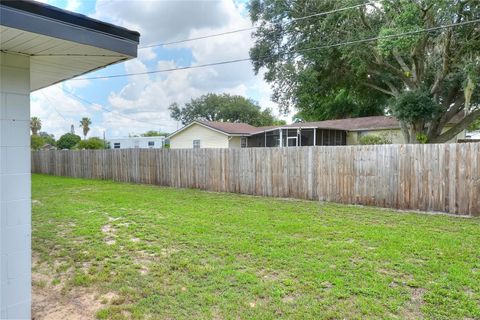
{"x":196,"y":144}
{"x":242,"y":144}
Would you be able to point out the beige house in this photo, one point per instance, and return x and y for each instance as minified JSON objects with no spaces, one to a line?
{"x":204,"y":134}
{"x":209,"y":134}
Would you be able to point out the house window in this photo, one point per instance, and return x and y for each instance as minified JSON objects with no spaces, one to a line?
{"x":116,"y":145}
{"x":151,"y":144}
{"x":243,"y":142}
{"x":196,"y":144}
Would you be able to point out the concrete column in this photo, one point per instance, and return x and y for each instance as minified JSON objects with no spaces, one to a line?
{"x":15,"y":194}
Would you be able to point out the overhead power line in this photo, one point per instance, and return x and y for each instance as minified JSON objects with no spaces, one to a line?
{"x":78,"y":98}
{"x":52,"y":105}
{"x":391,"y":36}
{"x":252,"y":28}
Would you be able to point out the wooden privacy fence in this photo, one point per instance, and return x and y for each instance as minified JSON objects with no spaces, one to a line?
{"x":436,"y":177}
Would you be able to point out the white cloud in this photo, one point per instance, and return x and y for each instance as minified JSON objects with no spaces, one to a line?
{"x":142,"y":104}
{"x":57,"y":110}
{"x":149,"y":96}
{"x":73,"y":5}
{"x":160,"y":21}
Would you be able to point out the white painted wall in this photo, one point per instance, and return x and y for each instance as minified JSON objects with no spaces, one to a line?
{"x":15,"y":194}
{"x":137,"y":142}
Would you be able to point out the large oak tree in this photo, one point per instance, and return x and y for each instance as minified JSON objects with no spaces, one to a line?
{"x":425,"y":79}
{"x":223,"y":107}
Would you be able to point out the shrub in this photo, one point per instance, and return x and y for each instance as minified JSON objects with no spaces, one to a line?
{"x":36,"y":142}
{"x":68,"y":141}
{"x":93,"y":143}
{"x":375,"y":139}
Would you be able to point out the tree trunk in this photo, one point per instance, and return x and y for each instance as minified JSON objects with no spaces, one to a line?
{"x":459,"y":127}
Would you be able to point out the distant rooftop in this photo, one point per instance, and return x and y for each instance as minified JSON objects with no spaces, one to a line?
{"x":349,"y":124}
{"x":353,"y":124}
{"x":230,"y":127}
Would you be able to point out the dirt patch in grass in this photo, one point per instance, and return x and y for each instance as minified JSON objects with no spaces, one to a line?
{"x":109,"y":232}
{"x":413,"y":308}
{"x":51,"y":302}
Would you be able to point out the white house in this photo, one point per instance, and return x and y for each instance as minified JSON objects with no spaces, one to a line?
{"x":137,"y":142}
{"x":40,"y":45}
{"x":474,"y":135}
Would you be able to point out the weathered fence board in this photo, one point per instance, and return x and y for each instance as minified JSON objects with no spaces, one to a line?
{"x":438,"y":177}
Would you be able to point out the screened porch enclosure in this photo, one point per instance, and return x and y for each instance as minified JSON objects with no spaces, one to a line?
{"x":297,"y":137}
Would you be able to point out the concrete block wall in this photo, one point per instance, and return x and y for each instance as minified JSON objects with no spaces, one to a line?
{"x":15,"y":187}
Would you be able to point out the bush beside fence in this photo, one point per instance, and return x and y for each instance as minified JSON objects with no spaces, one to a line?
{"x":436,"y":177}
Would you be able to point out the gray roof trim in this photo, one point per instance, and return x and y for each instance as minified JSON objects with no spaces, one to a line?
{"x":35,"y":23}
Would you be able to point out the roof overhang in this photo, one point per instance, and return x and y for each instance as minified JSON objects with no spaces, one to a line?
{"x":208,"y":127}
{"x":61,"y":44}
{"x":296,"y":128}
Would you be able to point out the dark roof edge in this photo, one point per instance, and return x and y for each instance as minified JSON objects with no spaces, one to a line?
{"x":77,"y":19}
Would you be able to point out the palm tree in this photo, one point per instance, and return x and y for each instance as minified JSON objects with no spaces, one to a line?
{"x":84,"y":124}
{"x":35,"y":125}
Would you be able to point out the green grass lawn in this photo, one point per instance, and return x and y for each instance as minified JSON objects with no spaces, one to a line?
{"x":169,"y":253}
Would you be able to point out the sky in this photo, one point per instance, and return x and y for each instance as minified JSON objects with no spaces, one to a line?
{"x":140,"y":103}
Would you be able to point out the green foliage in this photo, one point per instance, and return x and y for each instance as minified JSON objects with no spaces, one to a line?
{"x":421,"y":138}
{"x":445,"y":63}
{"x":338,"y":105}
{"x":68,"y":141}
{"x":413,"y":106}
{"x":36,"y":142}
{"x":474,"y":126}
{"x":167,"y":144}
{"x":408,"y":19}
{"x":153,"y":133}
{"x":35,"y":125}
{"x":91,"y":143}
{"x":85,"y":125}
{"x":48,"y":138}
{"x":224,"y":107}
{"x":375,"y":139}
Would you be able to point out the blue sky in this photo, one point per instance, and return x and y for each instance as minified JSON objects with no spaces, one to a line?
{"x":140,"y":103}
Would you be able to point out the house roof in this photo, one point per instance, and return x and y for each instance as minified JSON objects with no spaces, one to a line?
{"x":350,"y":124}
{"x":61,"y":44}
{"x":226,"y":128}
{"x":55,"y":13}
{"x":229,"y":127}
{"x":353,"y":124}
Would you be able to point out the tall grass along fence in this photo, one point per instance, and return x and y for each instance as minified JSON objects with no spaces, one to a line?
{"x":437,"y":177}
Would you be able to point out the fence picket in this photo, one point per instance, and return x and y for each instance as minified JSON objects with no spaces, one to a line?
{"x":442,"y":177}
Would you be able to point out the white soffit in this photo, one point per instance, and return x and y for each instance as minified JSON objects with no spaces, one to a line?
{"x":59,"y":49}
{"x":53,"y":60}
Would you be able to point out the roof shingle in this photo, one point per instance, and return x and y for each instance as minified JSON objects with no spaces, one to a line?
{"x":229,"y":127}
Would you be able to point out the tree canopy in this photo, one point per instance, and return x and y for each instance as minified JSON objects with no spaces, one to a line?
{"x":93,"y":143}
{"x":36,"y":142}
{"x":68,"y":141}
{"x":153,"y":133}
{"x":35,"y":125}
{"x":47,"y":138}
{"x":223,"y":107}
{"x":85,"y":125}
{"x":310,"y":72}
